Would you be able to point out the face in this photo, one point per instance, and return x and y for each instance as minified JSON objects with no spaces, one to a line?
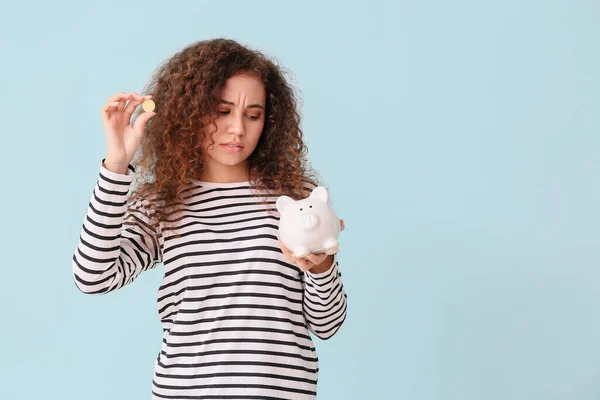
{"x":240,"y":119}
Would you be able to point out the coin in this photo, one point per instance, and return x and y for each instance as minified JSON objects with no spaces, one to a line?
{"x":148,"y":105}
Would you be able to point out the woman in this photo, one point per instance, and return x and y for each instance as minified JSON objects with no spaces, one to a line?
{"x":236,"y":306}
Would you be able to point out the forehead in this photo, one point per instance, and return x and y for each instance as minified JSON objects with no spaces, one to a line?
{"x":245,"y":85}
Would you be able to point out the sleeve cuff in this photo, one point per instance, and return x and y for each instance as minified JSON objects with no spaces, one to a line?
{"x":128,"y":177}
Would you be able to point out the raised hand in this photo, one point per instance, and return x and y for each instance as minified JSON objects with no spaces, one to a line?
{"x":123,"y":139}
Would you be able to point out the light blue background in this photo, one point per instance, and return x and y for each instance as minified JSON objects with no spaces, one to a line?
{"x":459,"y":140}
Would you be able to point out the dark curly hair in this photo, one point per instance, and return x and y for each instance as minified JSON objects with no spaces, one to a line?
{"x":186,"y":89}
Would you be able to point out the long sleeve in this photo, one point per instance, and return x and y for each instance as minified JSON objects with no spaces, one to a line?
{"x":117,"y":241}
{"x":325,"y":301}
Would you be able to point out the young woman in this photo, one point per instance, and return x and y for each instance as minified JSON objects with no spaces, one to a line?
{"x":235,"y":305}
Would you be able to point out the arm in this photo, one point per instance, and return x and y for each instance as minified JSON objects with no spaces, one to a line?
{"x":117,"y":241}
{"x":325,"y":299}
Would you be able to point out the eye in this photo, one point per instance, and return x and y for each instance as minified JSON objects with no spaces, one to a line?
{"x":252,"y":117}
{"x":310,"y":206}
{"x":300,"y":209}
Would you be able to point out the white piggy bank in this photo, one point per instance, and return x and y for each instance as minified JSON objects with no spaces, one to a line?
{"x":309,"y":225}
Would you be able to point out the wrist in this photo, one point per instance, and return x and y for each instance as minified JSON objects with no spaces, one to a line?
{"x":117,"y":168}
{"x":323,"y":267}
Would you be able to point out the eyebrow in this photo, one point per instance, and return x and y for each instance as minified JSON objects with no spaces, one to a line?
{"x":232,"y":103}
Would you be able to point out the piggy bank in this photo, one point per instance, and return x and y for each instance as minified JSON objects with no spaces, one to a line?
{"x":309,"y":225}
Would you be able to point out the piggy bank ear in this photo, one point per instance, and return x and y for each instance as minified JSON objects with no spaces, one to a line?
{"x":282,"y":202}
{"x":320,"y":193}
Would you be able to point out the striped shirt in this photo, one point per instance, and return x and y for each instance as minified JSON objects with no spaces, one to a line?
{"x":236,"y":315}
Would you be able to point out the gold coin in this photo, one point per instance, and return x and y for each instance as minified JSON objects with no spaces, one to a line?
{"x":148,"y":105}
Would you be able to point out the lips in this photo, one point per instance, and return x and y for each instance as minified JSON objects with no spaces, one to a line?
{"x":232,"y":148}
{"x":233,"y":144}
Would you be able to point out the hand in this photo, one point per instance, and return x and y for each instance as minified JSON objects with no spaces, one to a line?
{"x":313,"y":258}
{"x":122,"y":139}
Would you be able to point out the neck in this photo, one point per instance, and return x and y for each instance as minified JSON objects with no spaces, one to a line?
{"x":225,"y":173}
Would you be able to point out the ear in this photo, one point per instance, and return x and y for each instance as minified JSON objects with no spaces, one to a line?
{"x":282,"y":202}
{"x":320,"y":193}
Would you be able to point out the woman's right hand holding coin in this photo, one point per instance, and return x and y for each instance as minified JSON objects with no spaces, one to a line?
{"x":123,"y":139}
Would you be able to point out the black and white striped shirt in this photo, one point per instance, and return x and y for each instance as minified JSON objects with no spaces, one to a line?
{"x":235,"y":313}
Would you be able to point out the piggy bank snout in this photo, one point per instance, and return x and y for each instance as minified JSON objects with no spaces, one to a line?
{"x":309,"y":221}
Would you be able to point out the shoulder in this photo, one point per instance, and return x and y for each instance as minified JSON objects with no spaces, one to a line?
{"x":309,"y":185}
{"x":145,"y":204}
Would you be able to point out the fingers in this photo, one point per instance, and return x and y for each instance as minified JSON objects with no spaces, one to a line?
{"x":137,"y":100}
{"x":121,"y":105}
{"x":287,"y":253}
{"x":122,"y":97}
{"x":304,"y":264}
{"x":317,"y":258}
{"x":118,"y":103}
{"x":285,"y":250}
{"x":139,"y":125}
{"x":108,"y":108}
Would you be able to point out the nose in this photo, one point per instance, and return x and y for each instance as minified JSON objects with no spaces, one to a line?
{"x":236,"y":126}
{"x":309,"y":221}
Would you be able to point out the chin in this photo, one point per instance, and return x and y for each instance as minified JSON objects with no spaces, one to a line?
{"x":230,"y":161}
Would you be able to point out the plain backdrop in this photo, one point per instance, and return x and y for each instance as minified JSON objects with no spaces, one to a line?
{"x":459,"y":139}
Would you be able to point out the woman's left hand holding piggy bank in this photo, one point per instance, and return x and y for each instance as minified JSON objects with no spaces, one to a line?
{"x":316,"y":262}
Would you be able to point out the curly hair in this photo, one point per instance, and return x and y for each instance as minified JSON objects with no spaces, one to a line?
{"x":187,"y":88}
